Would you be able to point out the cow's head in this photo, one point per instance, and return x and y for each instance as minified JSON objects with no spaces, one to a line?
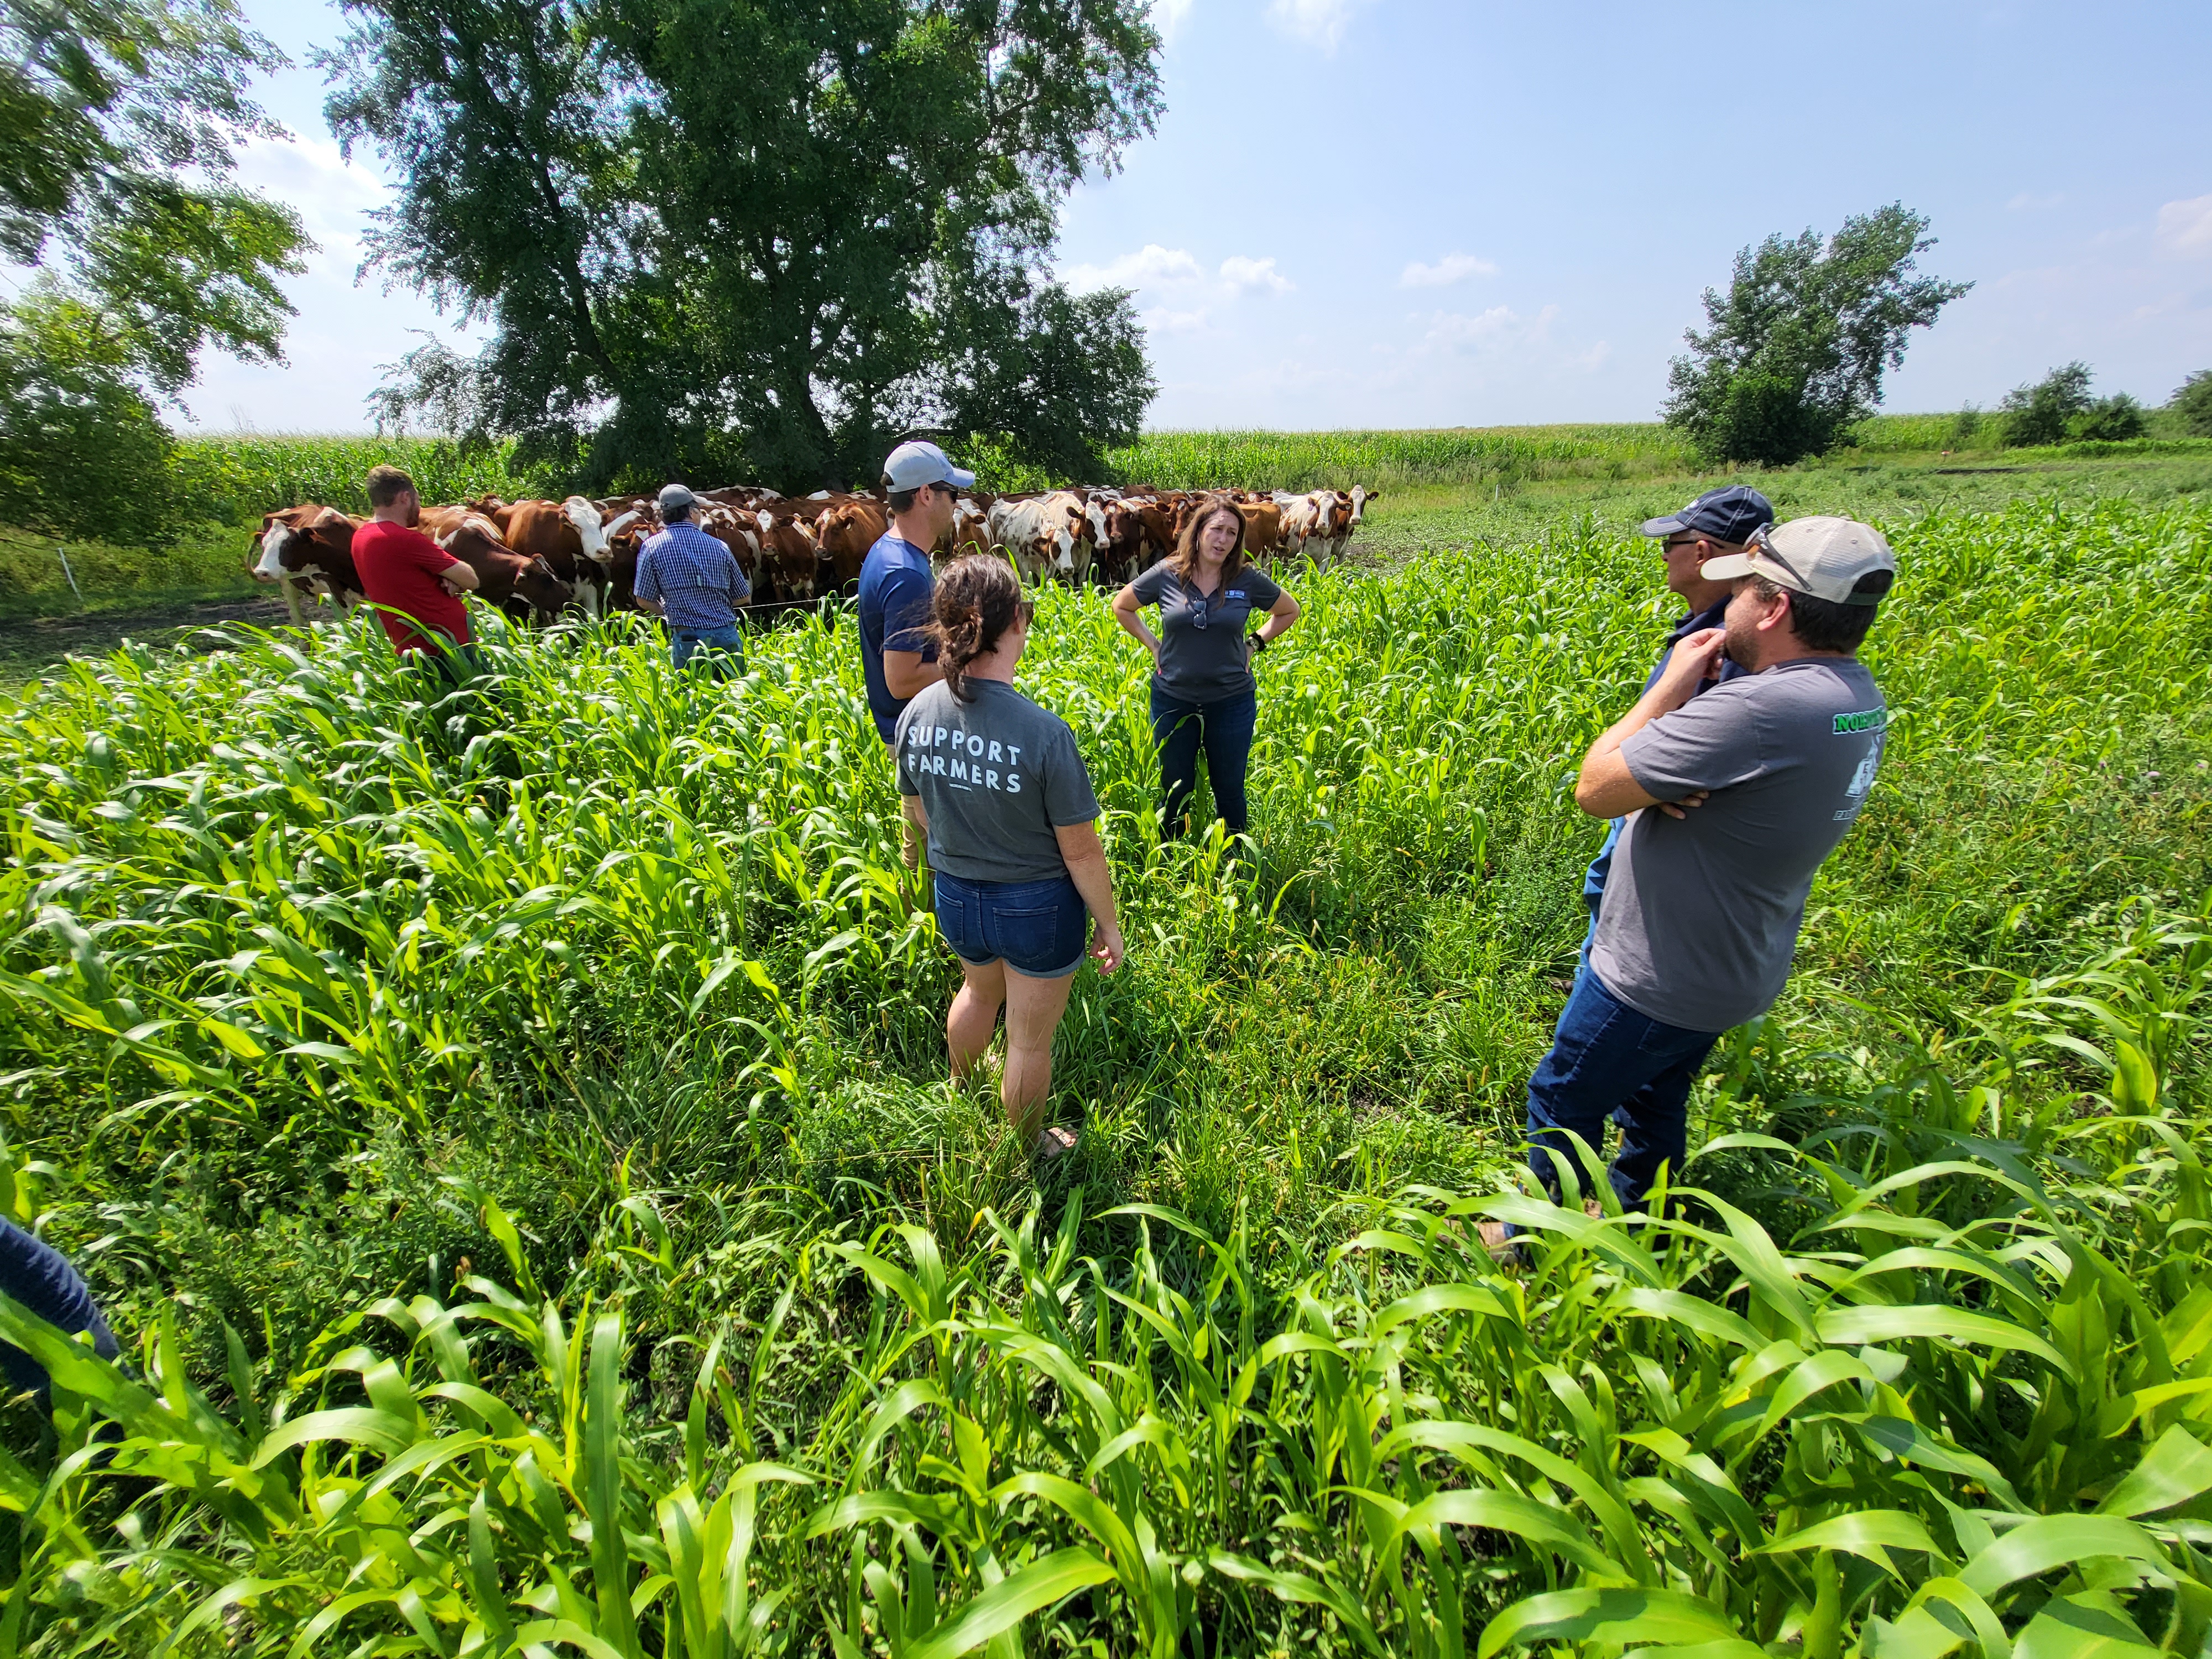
{"x":547,"y":594}
{"x":1361,"y":494}
{"x":589,"y":531}
{"x":275,"y":532}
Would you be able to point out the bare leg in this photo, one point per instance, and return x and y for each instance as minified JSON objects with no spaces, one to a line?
{"x":973,"y":1020}
{"x":1033,"y":1010}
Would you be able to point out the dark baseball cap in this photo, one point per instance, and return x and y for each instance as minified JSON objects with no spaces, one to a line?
{"x":1728,"y":514}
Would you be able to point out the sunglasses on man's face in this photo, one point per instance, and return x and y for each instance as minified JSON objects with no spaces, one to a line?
{"x":1673,"y":542}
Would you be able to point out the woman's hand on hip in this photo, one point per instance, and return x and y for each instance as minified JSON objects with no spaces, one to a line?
{"x":1106,"y":947}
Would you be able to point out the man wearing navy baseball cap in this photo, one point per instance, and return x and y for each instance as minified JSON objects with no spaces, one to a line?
{"x":1734,"y":798}
{"x":1719,"y":523}
{"x":896,"y":583}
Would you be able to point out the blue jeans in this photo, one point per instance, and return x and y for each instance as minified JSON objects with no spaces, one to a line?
{"x":688,"y":641}
{"x":1225,"y":728}
{"x":39,"y":1278}
{"x":1037,"y":928}
{"x":1607,"y":1060}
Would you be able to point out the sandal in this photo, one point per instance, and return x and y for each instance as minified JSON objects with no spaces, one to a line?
{"x":1053,"y":1143}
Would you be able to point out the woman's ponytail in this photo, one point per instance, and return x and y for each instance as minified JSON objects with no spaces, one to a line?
{"x":974,"y":604}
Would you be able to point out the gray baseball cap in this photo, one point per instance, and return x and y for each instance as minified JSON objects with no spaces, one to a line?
{"x":914,"y":464}
{"x":675,"y":498}
{"x":1839,"y":560}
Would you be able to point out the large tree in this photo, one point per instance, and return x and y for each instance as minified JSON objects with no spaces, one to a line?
{"x":1797,"y":347}
{"x":119,"y":123}
{"x":119,"y":126}
{"x":716,"y":236}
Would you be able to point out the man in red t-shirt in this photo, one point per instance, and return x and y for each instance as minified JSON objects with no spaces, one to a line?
{"x":416,"y":583}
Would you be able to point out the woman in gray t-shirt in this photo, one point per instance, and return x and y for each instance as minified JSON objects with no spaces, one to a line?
{"x":996,"y":784}
{"x":1203,"y":692}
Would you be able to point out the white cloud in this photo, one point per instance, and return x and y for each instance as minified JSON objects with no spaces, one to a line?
{"x":1168,"y":16}
{"x":2186,"y":227}
{"x":1242,"y":272}
{"x":1452,"y":268}
{"x":1319,"y":23}
{"x":332,"y":195}
{"x":1500,"y":327}
{"x":1161,"y":320}
{"x":1149,"y":266}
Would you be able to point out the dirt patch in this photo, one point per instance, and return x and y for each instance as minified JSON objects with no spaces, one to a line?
{"x":29,"y":643}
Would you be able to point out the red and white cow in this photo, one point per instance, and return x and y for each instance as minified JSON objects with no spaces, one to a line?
{"x":1047,"y":534}
{"x":524,"y":588}
{"x":308,"y":548}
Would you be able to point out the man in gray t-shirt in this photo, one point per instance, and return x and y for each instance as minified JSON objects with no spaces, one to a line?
{"x":1736,"y":799}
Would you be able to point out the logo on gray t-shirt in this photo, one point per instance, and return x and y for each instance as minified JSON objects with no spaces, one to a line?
{"x":1701,"y":913}
{"x":997,"y":775}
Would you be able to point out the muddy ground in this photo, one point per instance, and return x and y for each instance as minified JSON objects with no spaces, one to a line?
{"x":28,"y":644}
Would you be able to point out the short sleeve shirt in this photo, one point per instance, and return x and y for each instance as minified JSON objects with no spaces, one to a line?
{"x":1203,"y":657}
{"x":694,"y":576}
{"x":997,"y":775}
{"x":399,"y":570}
{"x":1701,"y":913}
{"x":895,"y":590}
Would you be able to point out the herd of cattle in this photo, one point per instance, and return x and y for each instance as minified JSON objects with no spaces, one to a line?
{"x":535,"y":559}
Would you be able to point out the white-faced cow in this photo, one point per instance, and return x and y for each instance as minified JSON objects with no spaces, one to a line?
{"x":1047,"y":534}
{"x":308,"y":548}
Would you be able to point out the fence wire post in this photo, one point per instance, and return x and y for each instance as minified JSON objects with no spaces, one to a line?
{"x":61,"y":552}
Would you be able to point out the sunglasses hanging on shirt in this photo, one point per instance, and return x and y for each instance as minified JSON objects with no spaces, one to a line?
{"x":1201,"y":610}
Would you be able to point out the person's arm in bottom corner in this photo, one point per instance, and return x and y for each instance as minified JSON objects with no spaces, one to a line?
{"x":914,"y":836}
{"x":1086,"y":868}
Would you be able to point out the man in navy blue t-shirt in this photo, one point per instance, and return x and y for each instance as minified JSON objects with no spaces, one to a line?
{"x":895,"y":585}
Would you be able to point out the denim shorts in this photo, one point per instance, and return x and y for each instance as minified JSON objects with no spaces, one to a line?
{"x":1038,"y":928}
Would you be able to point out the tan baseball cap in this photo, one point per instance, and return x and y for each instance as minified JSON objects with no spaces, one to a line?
{"x":1839,"y":560}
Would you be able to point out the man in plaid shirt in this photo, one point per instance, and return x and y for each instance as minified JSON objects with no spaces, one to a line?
{"x":687,"y":576}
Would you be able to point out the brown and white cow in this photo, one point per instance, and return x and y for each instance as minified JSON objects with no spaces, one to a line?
{"x":524,"y":588}
{"x":789,"y":554}
{"x":971,"y":529}
{"x":1045,"y":534}
{"x":308,"y":548}
{"x":1124,"y":541}
{"x":571,"y":538}
{"x":845,"y":530}
{"x":1263,"y":530}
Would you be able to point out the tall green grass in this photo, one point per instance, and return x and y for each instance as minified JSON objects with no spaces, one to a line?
{"x":1308,"y":460}
{"x":237,"y":477}
{"x":514,"y":1123}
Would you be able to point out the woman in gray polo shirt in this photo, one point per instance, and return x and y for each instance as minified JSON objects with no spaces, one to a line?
{"x":1203,"y":692}
{"x":996,"y":784}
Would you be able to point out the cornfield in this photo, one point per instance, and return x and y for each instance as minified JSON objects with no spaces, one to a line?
{"x":237,"y":478}
{"x":512,"y":1125}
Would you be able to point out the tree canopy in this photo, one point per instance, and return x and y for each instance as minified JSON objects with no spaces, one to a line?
{"x":750,"y":236}
{"x":119,"y":121}
{"x":119,"y":126}
{"x":2058,"y":409}
{"x":2192,"y":401}
{"x":1797,"y":347}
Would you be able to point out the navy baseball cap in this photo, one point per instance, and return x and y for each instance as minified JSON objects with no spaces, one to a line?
{"x":1728,"y":514}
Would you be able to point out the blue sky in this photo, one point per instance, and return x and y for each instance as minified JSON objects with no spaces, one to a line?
{"x":1384,"y":213}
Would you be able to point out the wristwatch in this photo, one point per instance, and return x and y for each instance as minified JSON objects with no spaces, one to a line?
{"x":1259,"y":643}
